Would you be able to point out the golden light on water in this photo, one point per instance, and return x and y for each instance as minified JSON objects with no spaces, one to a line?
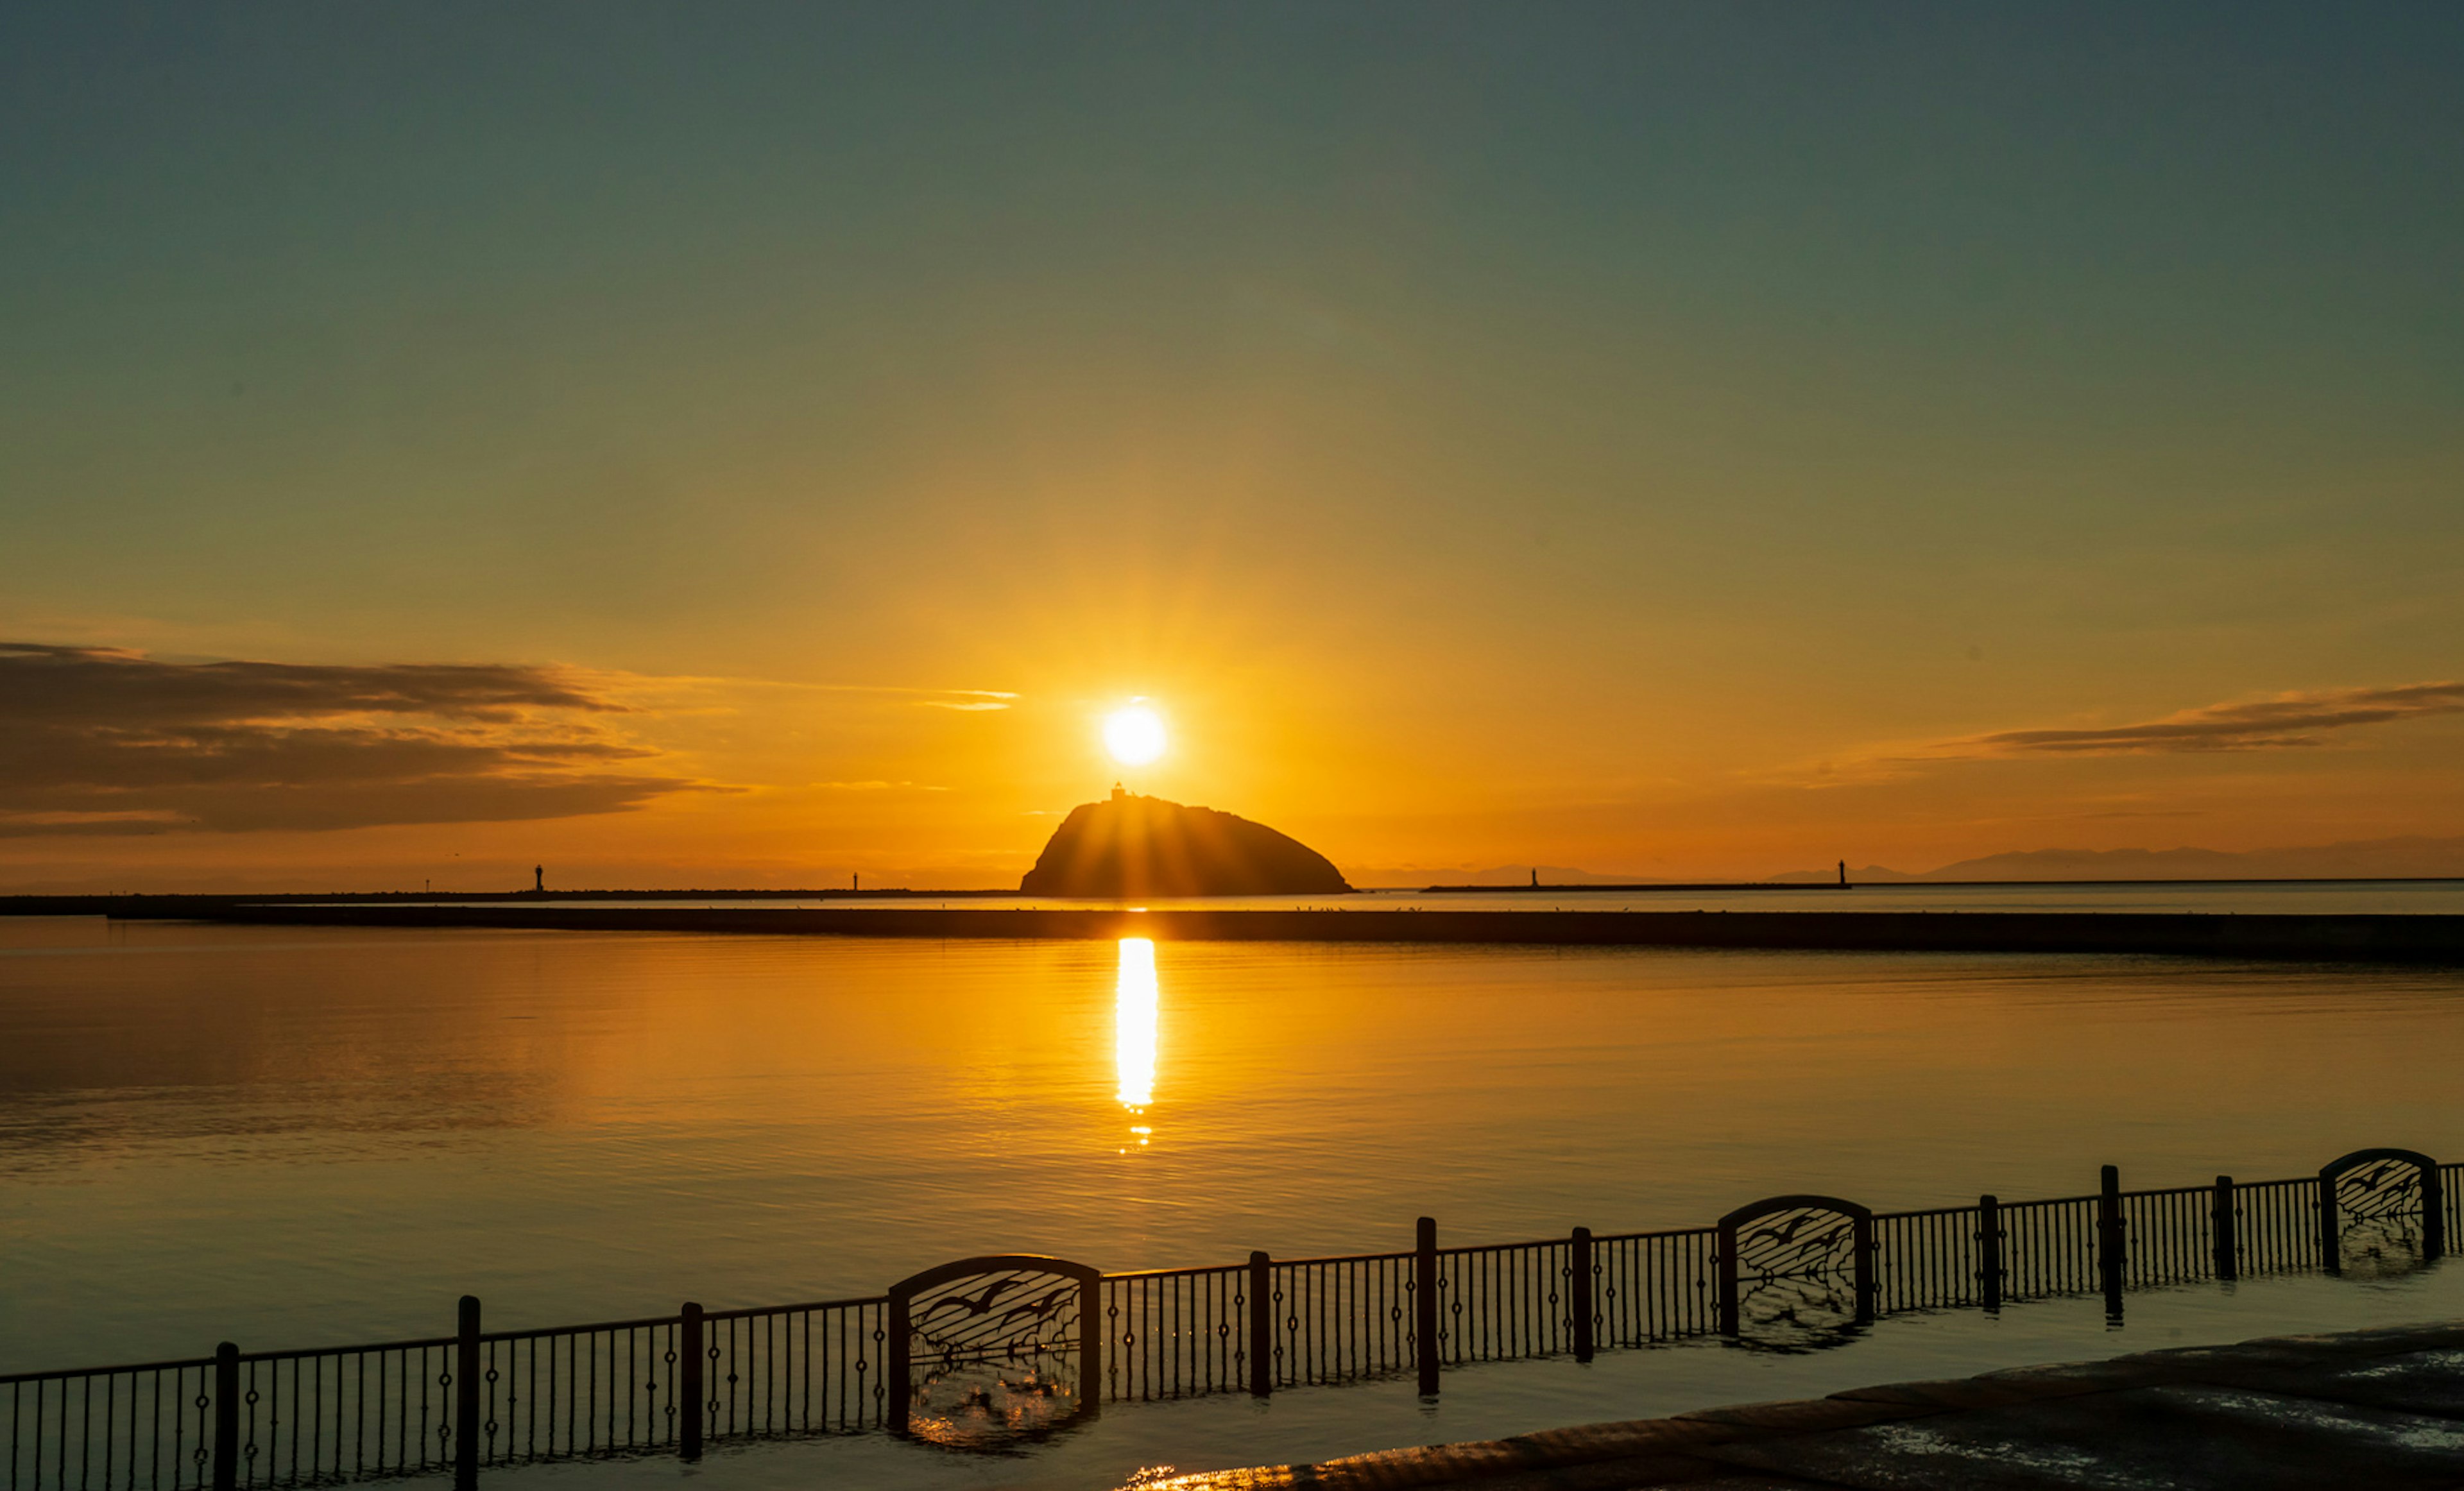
{"x":1133,"y":1037}
{"x":1134,"y":735}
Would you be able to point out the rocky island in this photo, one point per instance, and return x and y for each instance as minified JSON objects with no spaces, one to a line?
{"x":1133,"y":845}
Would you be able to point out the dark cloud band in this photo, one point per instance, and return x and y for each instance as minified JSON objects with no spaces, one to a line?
{"x":2291,"y":720}
{"x":98,"y":741}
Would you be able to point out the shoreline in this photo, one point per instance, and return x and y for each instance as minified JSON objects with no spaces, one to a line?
{"x":149,"y":903}
{"x":2360,"y":937}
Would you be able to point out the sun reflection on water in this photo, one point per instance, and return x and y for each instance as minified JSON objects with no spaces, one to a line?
{"x":1133,"y":1038}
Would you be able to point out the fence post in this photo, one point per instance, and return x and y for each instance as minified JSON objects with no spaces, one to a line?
{"x":465,"y":1394}
{"x":689,"y":1392}
{"x":1578,"y":1292}
{"x":2331,"y":1228}
{"x":2433,"y":1214}
{"x":1425,"y":1304}
{"x":226,"y":1418}
{"x":1725,"y":1271}
{"x":2222,"y":1221}
{"x":2109,"y":1239}
{"x":1262,"y":1325}
{"x":1988,"y":1251}
{"x":899,"y":1376}
{"x":1094,"y":1339}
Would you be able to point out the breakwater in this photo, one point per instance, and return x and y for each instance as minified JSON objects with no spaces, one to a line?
{"x":2384,"y":938}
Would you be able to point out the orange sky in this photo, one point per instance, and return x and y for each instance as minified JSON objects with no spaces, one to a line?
{"x":1684,"y":442}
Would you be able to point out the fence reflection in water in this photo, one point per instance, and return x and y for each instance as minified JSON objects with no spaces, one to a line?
{"x":672,"y":1384}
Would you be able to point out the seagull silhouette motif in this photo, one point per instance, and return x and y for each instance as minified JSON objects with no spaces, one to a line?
{"x":1035,"y":1309}
{"x":1821,"y":1241}
{"x":1787,"y":1231}
{"x":977,"y":1304}
{"x":1779,"y":1246}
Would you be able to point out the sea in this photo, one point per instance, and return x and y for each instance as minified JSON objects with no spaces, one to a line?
{"x":290,"y":1136}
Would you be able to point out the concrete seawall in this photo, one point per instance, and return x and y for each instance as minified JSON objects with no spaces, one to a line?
{"x":2338,"y":938}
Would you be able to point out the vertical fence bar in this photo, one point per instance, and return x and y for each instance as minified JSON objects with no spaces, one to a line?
{"x":2228,"y":1261}
{"x":465,"y":1394}
{"x":1578,"y":1293}
{"x":2109,"y":1239}
{"x":689,"y":1406}
{"x":1988,"y":1251}
{"x":226,"y":1418}
{"x":1425,"y":1304}
{"x":1262,"y":1325}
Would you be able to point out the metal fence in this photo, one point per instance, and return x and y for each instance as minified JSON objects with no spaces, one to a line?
{"x":1809,"y":1272}
{"x":1653,"y":1287}
{"x":1177,"y":1332}
{"x":307,"y":1416}
{"x":147,"y":1425}
{"x":1505,"y":1301}
{"x":1340,"y":1319}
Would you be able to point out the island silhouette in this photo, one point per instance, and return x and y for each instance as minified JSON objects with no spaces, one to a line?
{"x":1133,"y":845}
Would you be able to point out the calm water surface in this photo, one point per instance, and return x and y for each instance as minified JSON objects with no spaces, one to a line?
{"x":290,"y":1136}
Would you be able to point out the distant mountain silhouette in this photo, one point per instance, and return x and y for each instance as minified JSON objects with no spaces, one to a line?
{"x":2402,"y":858}
{"x":1133,"y":845}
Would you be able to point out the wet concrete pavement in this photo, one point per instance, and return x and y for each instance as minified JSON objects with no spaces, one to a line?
{"x":2378,"y":1409}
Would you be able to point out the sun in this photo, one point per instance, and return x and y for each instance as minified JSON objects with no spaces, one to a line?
{"x":1134,"y":735}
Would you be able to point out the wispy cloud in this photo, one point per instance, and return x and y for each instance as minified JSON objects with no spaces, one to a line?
{"x":670,"y":691}
{"x":2288,"y":720}
{"x":876,"y":786}
{"x":101,"y":740}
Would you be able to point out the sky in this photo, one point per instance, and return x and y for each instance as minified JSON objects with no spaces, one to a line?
{"x":749,"y":445}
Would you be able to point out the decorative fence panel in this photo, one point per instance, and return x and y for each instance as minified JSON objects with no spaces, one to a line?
{"x":1797,"y":1266}
{"x":997,"y":1346}
{"x":2380,"y":1210}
